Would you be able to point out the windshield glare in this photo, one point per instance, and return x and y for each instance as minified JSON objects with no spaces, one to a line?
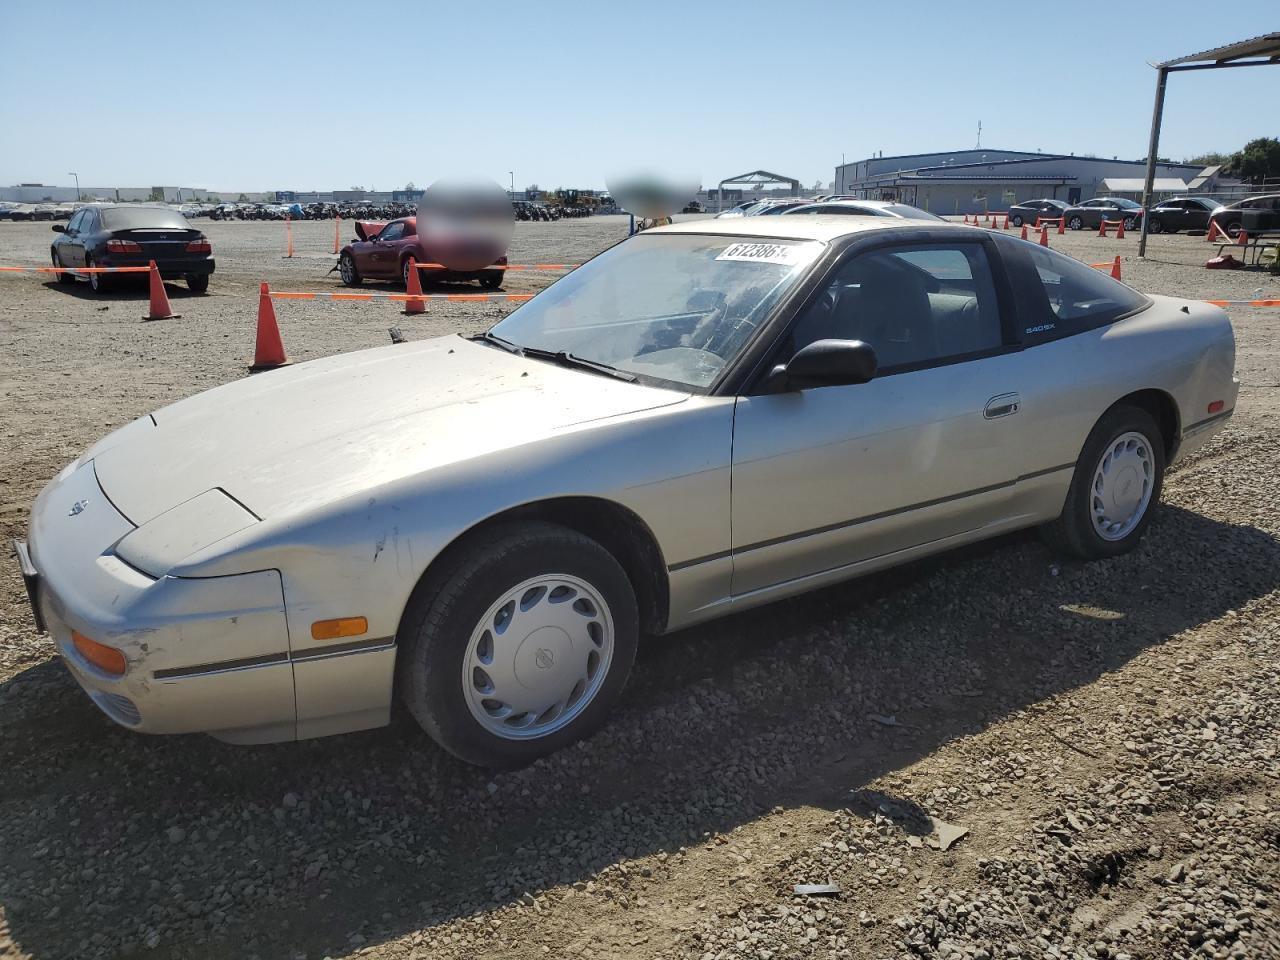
{"x":667,"y":307}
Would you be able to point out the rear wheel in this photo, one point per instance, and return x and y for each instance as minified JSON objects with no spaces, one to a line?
{"x":98,"y":282}
{"x":1130,"y":222}
{"x":348,"y":272}
{"x":197,"y":282}
{"x":520,"y":646}
{"x":1075,"y":223}
{"x":491,"y":280}
{"x":1117,"y":481}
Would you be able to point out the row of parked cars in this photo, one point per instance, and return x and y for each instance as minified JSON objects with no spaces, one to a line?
{"x":1253,"y":214}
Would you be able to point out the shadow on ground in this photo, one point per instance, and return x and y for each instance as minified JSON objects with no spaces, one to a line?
{"x":320,"y":845}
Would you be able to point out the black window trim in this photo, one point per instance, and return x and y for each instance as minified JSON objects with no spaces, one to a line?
{"x":914,"y":238}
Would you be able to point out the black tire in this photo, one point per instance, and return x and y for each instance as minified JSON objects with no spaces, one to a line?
{"x":1130,"y":223}
{"x":1016,"y":220}
{"x":1233,"y":229}
{"x":1155,"y":225}
{"x":198,"y":282}
{"x":1073,"y":533}
{"x":98,"y":282}
{"x":62,"y":276}
{"x":1075,"y":223}
{"x":492,"y":280}
{"x":437,"y":626}
{"x":347,"y":270}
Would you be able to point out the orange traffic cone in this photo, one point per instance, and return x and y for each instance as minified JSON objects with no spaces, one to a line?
{"x":1006,"y":222}
{"x":1024,"y":231}
{"x":1243,"y":237}
{"x":268,"y":353}
{"x":413,"y":287}
{"x":1062,"y":225}
{"x":1115,"y":269}
{"x":1102,"y":228}
{"x":159,"y":308}
{"x":288,"y":232}
{"x":1120,"y":230}
{"x":966,"y":219}
{"x":337,"y":234}
{"x":1213,"y":231}
{"x":1044,"y":236}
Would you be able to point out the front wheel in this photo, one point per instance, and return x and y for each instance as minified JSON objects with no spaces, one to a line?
{"x":1233,"y":229}
{"x":1154,"y":225}
{"x":198,"y":282}
{"x":1016,"y":220}
{"x":520,"y":646}
{"x":62,"y":275}
{"x":348,"y":272}
{"x":1117,"y":481}
{"x":491,"y":280}
{"x":1075,"y":223}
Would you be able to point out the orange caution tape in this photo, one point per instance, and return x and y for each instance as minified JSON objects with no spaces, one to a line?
{"x":75,"y":269}
{"x":396,"y":297}
{"x":1244,"y":303}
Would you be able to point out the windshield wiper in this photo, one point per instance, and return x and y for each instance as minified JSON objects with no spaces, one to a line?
{"x":499,"y":342}
{"x":566,"y":359}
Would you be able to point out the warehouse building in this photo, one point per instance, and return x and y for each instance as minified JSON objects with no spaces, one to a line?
{"x":973,"y":181}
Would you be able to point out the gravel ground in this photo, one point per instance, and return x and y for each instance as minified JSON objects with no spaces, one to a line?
{"x":992,"y":753}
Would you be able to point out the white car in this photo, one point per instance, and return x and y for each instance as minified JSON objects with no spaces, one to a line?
{"x":706,"y":417}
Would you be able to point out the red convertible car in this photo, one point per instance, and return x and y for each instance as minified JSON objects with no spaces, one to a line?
{"x":382,"y":252}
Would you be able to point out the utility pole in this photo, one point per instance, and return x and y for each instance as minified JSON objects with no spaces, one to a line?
{"x":77,"y":176}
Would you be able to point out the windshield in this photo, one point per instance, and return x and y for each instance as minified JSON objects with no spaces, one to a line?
{"x":1126,"y":204}
{"x":666,"y":307}
{"x":910,"y":212}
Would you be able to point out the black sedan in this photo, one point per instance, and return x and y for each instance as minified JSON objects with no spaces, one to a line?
{"x":1253,"y":214}
{"x":122,"y":235}
{"x":1032,"y":210}
{"x":1181,"y":213}
{"x":1091,"y":213}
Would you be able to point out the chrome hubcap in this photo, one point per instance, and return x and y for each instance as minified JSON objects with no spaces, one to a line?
{"x":537,"y":657}
{"x":1122,"y":485}
{"x":344,"y":269}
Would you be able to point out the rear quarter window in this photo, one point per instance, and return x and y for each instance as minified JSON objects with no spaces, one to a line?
{"x":1077,"y":298}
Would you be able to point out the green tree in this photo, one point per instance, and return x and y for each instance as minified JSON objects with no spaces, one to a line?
{"x":1257,"y":161}
{"x":1211,"y":159}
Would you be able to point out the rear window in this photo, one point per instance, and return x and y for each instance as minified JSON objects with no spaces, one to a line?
{"x":143,"y":218}
{"x":1080,"y":297}
{"x":913,"y":213}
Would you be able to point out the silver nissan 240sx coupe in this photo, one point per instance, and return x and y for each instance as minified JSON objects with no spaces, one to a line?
{"x":705,"y":417}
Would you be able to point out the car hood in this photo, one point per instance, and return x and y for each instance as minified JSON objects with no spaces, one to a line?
{"x":285,"y":441}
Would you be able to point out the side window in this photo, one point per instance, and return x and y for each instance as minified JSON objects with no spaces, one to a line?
{"x":90,"y":222}
{"x":392,"y":231}
{"x":916,"y":306}
{"x":76,"y":220}
{"x":1080,"y":298}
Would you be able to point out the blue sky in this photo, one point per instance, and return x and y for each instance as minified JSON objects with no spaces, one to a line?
{"x":254,"y":96}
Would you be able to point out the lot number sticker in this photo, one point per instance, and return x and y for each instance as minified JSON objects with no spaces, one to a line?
{"x":782,"y":253}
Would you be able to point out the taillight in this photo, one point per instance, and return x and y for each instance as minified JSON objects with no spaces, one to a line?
{"x":199,"y":246}
{"x":122,"y":246}
{"x":107,"y":659}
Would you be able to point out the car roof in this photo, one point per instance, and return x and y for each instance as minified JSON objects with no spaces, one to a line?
{"x":823,"y":227}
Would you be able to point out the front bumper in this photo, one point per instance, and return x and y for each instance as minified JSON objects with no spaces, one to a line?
{"x":207,"y":655}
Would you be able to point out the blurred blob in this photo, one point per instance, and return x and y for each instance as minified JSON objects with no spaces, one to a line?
{"x":652,"y":195}
{"x":465,"y":224}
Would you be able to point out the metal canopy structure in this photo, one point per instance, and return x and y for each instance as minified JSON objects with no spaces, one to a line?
{"x":1255,"y":52}
{"x":756,"y":178}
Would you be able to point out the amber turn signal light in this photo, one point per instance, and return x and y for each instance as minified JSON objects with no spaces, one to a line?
{"x":107,"y":659}
{"x":341,"y":627}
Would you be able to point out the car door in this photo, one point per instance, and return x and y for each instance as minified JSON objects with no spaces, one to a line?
{"x":832,"y":476}
{"x":70,"y":250}
{"x":384,"y":252}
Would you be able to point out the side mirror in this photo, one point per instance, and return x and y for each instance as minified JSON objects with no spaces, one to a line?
{"x":58,"y":228}
{"x":825,"y":363}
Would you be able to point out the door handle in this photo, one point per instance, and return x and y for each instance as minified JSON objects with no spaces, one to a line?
{"x":1004,"y":405}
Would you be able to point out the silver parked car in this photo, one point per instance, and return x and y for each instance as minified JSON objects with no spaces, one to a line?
{"x":705,"y":417}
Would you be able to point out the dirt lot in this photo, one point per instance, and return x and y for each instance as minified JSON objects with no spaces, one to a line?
{"x":1108,"y":734}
